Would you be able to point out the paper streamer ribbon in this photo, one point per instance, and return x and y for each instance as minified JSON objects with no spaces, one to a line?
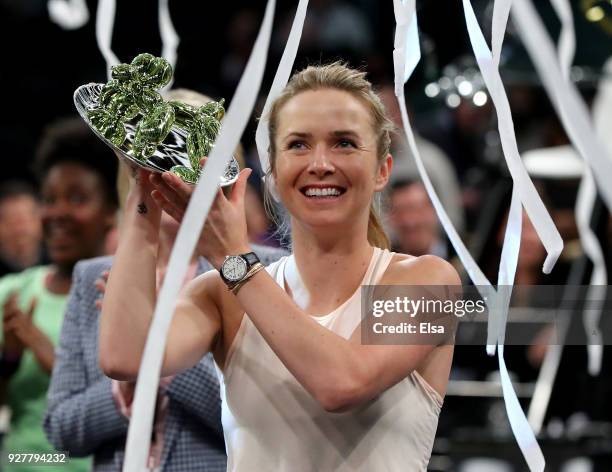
{"x":519,"y":423}
{"x":602,"y":116}
{"x":406,"y":56}
{"x":565,"y":98}
{"x":489,"y":66}
{"x":595,"y":298}
{"x":105,"y":19}
{"x":170,"y":38}
{"x":69,"y":14}
{"x":530,"y":199}
{"x":566,"y":46}
{"x":262,"y":138}
{"x":585,"y":202}
{"x":232,"y":127}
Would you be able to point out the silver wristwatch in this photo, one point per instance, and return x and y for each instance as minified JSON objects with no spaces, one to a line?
{"x":235,"y":268}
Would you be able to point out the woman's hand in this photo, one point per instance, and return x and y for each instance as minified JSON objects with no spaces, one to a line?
{"x":18,"y":325}
{"x":100,"y":285}
{"x":225,"y":230}
{"x":21,"y":324}
{"x":12,"y":345}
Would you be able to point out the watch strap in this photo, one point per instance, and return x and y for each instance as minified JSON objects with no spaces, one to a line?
{"x":251,"y":259}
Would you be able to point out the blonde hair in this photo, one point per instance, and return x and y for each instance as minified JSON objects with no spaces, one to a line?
{"x":339,"y":76}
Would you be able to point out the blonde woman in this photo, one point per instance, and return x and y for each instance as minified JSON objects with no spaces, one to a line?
{"x":300,"y":391}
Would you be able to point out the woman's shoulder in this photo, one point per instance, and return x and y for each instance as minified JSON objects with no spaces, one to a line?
{"x":420,"y":270}
{"x":27,"y":283}
{"x":26,"y":277}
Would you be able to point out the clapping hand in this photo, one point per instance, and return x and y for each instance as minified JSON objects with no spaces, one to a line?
{"x":17,"y":325}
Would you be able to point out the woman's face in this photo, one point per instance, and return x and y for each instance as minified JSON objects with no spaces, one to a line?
{"x":326,"y":167}
{"x":75,"y":213}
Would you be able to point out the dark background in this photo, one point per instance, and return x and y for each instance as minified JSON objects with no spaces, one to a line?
{"x":42,"y":64}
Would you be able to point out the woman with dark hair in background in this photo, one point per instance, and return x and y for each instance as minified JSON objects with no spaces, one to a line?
{"x":77,"y":176}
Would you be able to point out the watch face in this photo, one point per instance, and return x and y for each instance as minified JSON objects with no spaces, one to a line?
{"x":234,"y":268}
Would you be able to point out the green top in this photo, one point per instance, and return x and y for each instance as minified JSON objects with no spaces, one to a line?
{"x":27,"y":388}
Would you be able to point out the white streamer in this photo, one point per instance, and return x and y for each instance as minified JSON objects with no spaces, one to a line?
{"x":584,"y":208}
{"x":406,"y":56}
{"x":105,"y":19}
{"x":566,"y":47}
{"x":262,"y":138}
{"x":595,"y":297}
{"x":585,"y":202}
{"x":169,"y":36}
{"x":489,"y":64}
{"x":520,"y":427}
{"x":534,"y":206}
{"x":69,"y":14}
{"x":232,"y":128}
{"x":571,"y":108}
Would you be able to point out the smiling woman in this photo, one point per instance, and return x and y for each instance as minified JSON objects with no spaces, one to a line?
{"x":77,"y":175}
{"x":287,"y":340}
{"x":348,"y":119}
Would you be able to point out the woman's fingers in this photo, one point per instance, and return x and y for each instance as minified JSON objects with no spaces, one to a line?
{"x":33,"y":303}
{"x":10,"y":309}
{"x":182,"y":189}
{"x":10,"y":303}
{"x":173,"y":190}
{"x":100,"y":285}
{"x":176,"y":212}
{"x":240,"y":186}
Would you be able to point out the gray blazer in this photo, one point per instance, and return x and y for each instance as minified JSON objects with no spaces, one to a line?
{"x":82,"y":418}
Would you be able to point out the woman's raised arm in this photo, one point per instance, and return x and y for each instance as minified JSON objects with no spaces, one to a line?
{"x":130,"y":297}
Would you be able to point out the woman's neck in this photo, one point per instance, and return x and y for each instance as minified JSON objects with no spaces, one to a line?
{"x":59,"y":279}
{"x":324,"y":256}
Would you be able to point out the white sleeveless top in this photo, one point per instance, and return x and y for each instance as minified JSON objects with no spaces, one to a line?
{"x":271,"y":423}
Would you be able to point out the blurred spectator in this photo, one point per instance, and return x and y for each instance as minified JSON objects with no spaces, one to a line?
{"x":20,"y":227}
{"x":413,"y":220}
{"x":77,"y":174}
{"x":437,"y":164}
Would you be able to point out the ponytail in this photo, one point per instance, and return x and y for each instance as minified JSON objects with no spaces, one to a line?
{"x":376,"y":233}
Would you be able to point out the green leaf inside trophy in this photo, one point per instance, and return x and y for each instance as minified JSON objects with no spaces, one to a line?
{"x":188,"y":175}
